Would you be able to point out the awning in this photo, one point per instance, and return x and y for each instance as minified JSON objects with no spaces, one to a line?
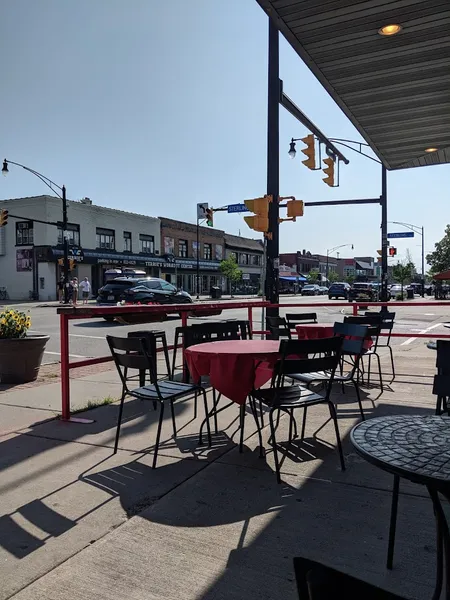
{"x":292,"y":278}
{"x":394,"y":89}
{"x":442,"y":275}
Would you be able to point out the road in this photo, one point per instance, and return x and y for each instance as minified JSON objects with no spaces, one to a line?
{"x":87,"y":337}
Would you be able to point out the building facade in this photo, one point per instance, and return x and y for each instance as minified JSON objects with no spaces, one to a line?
{"x":302,"y":261}
{"x":249,"y":256}
{"x":99,"y":239}
{"x":179,"y":249}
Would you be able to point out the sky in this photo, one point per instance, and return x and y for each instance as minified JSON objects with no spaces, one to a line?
{"x":153,"y":106}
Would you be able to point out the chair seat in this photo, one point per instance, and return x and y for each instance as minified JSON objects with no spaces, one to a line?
{"x":168,"y":390}
{"x":287,"y":396}
{"x":319,"y":376}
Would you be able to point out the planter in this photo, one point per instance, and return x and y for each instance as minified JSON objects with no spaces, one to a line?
{"x":20,"y":358}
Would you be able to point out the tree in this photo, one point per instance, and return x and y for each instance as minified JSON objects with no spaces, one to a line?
{"x":401,"y":272}
{"x":350,"y":279}
{"x":229,"y":269}
{"x":439,"y":260}
{"x":313,"y":276}
{"x":333,"y":276}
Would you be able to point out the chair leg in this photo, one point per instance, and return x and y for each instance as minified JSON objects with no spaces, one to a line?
{"x":392,"y":362}
{"x":338,"y":437}
{"x":174,"y":355}
{"x":258,"y":428}
{"x":274,"y":445}
{"x":379,"y":371}
{"x":303,"y":423}
{"x":393,"y":522}
{"x":195,"y":404}
{"x":242,"y":424}
{"x":167,"y":359}
{"x":174,"y":425}
{"x":291,"y":423}
{"x":361,"y":410}
{"x":158,"y":435}
{"x":119,"y":421}
{"x":215,"y":400}
{"x":208,"y":429}
{"x":261,"y":413}
{"x":368,"y":369}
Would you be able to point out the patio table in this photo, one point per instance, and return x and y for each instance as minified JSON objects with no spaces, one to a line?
{"x":417,"y":448}
{"x":314,"y":331}
{"x":235,"y":367}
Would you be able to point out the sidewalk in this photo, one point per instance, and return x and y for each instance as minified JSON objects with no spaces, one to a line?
{"x":80,"y":523}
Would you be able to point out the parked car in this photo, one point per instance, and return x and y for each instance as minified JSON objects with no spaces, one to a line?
{"x":397,"y":289}
{"x":323,"y":290}
{"x":146,"y":290}
{"x":310,"y":290}
{"x":338,"y":290}
{"x":363,"y":291}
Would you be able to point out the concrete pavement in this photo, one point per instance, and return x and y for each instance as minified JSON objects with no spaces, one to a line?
{"x":78,"y":522}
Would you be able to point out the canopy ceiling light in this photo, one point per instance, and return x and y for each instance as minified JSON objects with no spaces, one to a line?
{"x":390,"y":29}
{"x":431,"y":149}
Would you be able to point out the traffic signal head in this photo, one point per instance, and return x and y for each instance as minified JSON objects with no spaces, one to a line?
{"x":61,"y":262}
{"x":71,"y":264}
{"x":210,"y":217}
{"x":392,"y":251}
{"x":310,"y":151}
{"x":329,"y":171}
{"x":259,"y":206}
{"x":294,"y":208}
{"x":3,"y":217}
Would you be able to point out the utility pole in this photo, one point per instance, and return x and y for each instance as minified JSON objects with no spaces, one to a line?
{"x":384,"y":240}
{"x":66,"y":246}
{"x":198,"y":259}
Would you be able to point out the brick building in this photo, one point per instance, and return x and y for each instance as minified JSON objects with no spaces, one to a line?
{"x":249,"y":256}
{"x":303,"y":262}
{"x":179,"y":249}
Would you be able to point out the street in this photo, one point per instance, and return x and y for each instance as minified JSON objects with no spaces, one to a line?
{"x":87,"y":337}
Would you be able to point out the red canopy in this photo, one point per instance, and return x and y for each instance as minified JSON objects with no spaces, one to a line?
{"x":442,"y":275}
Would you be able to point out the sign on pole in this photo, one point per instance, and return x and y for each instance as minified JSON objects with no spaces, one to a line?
{"x":401,"y":234}
{"x":237,"y":208}
{"x":202,"y":207}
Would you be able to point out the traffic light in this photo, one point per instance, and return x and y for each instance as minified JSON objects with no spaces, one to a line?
{"x":329,"y":171}
{"x":259,"y":206}
{"x":71,"y":264}
{"x":310,"y":152}
{"x":294,"y":208}
{"x":210,"y":217}
{"x":61,"y":262}
{"x":3,"y":217}
{"x":392,"y":251}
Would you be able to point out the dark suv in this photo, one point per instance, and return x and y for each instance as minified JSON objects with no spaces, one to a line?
{"x":363,"y":291}
{"x":338,"y":290}
{"x":146,"y":290}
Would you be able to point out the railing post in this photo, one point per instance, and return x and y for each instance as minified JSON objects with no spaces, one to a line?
{"x":355,"y":309}
{"x":65,"y":381}
{"x":250,"y":317}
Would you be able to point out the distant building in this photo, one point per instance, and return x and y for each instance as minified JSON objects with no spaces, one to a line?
{"x":323,"y":260}
{"x":303,"y":262}
{"x":249,"y":256}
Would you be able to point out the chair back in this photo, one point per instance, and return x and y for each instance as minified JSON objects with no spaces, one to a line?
{"x":443,"y":357}
{"x":372,"y":321}
{"x":387,"y":325}
{"x":295,"y":358}
{"x":441,"y":386}
{"x":294,"y":319}
{"x":132,"y":353}
{"x":278,"y":327}
{"x":211,"y":332}
{"x":244,"y":326}
{"x":354,"y":337}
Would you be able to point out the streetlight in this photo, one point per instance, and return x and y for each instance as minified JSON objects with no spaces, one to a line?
{"x":419,"y":230}
{"x":51,"y":184}
{"x":331,"y":250}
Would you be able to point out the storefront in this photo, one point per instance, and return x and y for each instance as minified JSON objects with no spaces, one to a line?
{"x":182,"y":272}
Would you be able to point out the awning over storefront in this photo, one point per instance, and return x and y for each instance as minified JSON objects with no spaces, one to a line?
{"x":442,"y":275}
{"x":292,"y":278}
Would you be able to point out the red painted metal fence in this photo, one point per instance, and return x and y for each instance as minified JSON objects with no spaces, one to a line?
{"x":157,"y":313}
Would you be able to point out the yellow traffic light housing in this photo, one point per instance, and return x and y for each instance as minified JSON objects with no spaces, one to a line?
{"x":61,"y":262}
{"x":294,"y":208}
{"x":329,"y":171}
{"x":259,"y":206}
{"x":3,"y":217}
{"x":310,"y":151}
{"x":210,"y":217}
{"x":71,"y":264}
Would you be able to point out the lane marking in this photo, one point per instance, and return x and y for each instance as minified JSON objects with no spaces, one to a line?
{"x":59,"y":354}
{"x":91,"y":337}
{"x":429,"y":314}
{"x":410,"y":340}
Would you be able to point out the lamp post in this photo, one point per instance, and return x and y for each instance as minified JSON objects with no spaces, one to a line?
{"x":419,"y":230}
{"x":62,"y":189}
{"x":331,"y":250}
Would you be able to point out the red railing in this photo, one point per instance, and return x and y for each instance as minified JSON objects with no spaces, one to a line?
{"x":67,"y":314}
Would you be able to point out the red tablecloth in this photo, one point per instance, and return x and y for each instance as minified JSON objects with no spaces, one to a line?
{"x":314,"y":331}
{"x":234,"y":366}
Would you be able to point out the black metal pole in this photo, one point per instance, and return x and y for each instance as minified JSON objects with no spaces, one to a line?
{"x":273,"y":169}
{"x":198,"y":261}
{"x":66,"y":247}
{"x":384,"y":240}
{"x":423,"y":263}
{"x":326,"y":271}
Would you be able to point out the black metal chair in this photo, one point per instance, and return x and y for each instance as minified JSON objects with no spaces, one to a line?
{"x":387,"y":325}
{"x":374,"y":324}
{"x":154,"y":336}
{"x":278,"y":327}
{"x":294,"y":319}
{"x":135,"y":353}
{"x":281,"y":398}
{"x":352,"y":350}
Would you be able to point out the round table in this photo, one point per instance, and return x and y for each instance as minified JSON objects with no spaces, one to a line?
{"x":314,"y":331}
{"x":235,"y":367}
{"x":417,"y":448}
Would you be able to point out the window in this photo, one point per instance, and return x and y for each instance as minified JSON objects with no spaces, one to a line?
{"x":256,"y":260}
{"x":105,"y":239}
{"x":183,"y":248}
{"x":168,"y":287}
{"x":207,"y":251}
{"x":244,"y":259}
{"x":72,"y":232}
{"x":153,"y":284}
{"x":127,"y":241}
{"x":24,"y":233}
{"x":146,"y":244}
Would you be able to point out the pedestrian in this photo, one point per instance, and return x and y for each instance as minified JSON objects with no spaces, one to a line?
{"x":61,"y":289}
{"x":85,"y":288}
{"x":74,"y":290}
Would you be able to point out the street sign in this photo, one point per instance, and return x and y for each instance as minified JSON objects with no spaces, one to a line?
{"x":202,"y":207}
{"x":401,"y":234}
{"x":236,"y":208}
